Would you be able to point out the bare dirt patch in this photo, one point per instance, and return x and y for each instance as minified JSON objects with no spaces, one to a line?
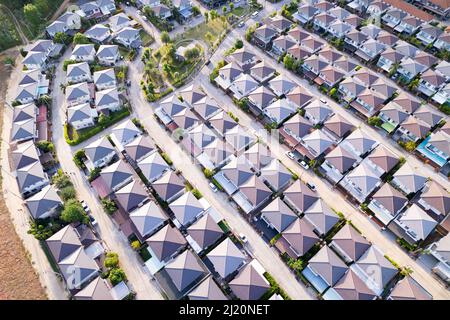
{"x":18,"y":279}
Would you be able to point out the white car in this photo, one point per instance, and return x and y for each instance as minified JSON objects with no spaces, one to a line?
{"x":85,"y":206}
{"x":290,"y":155}
{"x":92,"y":219}
{"x":254,"y":14}
{"x":311,"y":186}
{"x":139,"y":12}
{"x":304,"y":165}
{"x":243,"y":238}
{"x":213,"y":187}
{"x":144,"y":18}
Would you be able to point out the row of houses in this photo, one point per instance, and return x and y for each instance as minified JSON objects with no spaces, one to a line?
{"x":366,"y":93}
{"x":191,"y":251}
{"x":163,"y":11}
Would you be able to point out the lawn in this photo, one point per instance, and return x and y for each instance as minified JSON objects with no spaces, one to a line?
{"x":74,"y":137}
{"x":9,"y":37}
{"x":208,"y":32}
{"x":146,"y":38}
{"x":239,"y":11}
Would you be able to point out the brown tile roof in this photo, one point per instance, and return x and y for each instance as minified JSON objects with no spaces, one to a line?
{"x":411,"y":9}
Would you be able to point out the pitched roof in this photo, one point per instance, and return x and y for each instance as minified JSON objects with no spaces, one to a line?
{"x":409,"y":289}
{"x":184,"y":270}
{"x":237,"y":171}
{"x":226,"y":258}
{"x":407,"y":102}
{"x":341,"y":159}
{"x":328,"y":265}
{"x":186,"y":208}
{"x":116,"y":173}
{"x":262,"y":70}
{"x":383,"y":158}
{"x":63,"y":243}
{"x":435,"y":195}
{"x":299,"y":96}
{"x":351,"y":287}
{"x":126,"y":131}
{"x":300,"y":235}
{"x":206,"y":107}
{"x":338,"y":125}
{"x":97,"y":289}
{"x":276,"y":174}
{"x":321,"y":216}
{"x":131,"y":195}
{"x":192,"y":94}
{"x":351,"y":242}
{"x":207,"y":290}
{"x":249,"y":284}
{"x":166,"y":242}
{"x":278,"y":214}
{"x":43,"y":201}
{"x":410,"y":178}
{"x":98,"y":149}
{"x":318,"y":141}
{"x":298,"y":125}
{"x":147,"y":218}
{"x":205,"y":231}
{"x":391,"y":199}
{"x":168,"y":185}
{"x":255,"y":190}
{"x":300,"y":195}
{"x":139,"y":147}
{"x":415,"y":126}
{"x":222,"y":122}
{"x":429,"y":115}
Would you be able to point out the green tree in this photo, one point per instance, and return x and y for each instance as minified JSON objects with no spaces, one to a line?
{"x":74,"y":212}
{"x":165,"y":38}
{"x":239,"y":44}
{"x":208,"y":173}
{"x":231,"y":6}
{"x":116,"y":276}
{"x":45,"y":146}
{"x":224,"y":9}
{"x":109,"y":206}
{"x":68,"y":193}
{"x":61,"y":37}
{"x":410,"y":146}
{"x":136,"y":245}
{"x":206,"y":14}
{"x":288,"y":62}
{"x":80,"y":38}
{"x":42,"y":6}
{"x":192,"y":54}
{"x":31,"y":13}
{"x":61,"y":180}
{"x":375,"y":121}
{"x":111,"y":260}
{"x":102,"y":119}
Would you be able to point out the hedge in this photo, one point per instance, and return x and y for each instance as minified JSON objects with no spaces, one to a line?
{"x":92,"y":131}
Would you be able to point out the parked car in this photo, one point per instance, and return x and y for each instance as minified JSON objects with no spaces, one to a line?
{"x":85,"y":206}
{"x":311,"y":186}
{"x":243,"y":238}
{"x":254,"y":14}
{"x":304,"y":165}
{"x":213,"y":187}
{"x":92,"y":219}
{"x":241,"y":24}
{"x":144,"y":18}
{"x":290,"y":155}
{"x":139,"y":12}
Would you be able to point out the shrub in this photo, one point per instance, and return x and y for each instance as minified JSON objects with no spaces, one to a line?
{"x":375,"y":121}
{"x":208,"y":173}
{"x":109,"y":206}
{"x":68,"y":193}
{"x":78,"y":158}
{"x":116,"y":276}
{"x":111,"y":260}
{"x":74,"y":212}
{"x":94,"y":174}
{"x":45,"y":146}
{"x":197,"y":193}
{"x":166,"y":158}
{"x":136,"y":245}
{"x":61,"y":180}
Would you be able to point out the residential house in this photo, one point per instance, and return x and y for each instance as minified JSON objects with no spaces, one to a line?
{"x":361,"y":182}
{"x":107,"y":99}
{"x":252,"y":194}
{"x":315,"y":144}
{"x":262,"y":72}
{"x":354,"y":39}
{"x":281,"y":85}
{"x":294,"y":129}
{"x":264,"y":35}
{"x":393,"y":17}
{"x":305,"y":13}
{"x":276,"y":175}
{"x":83,"y":53}
{"x":409,"y":25}
{"x":382,"y":160}
{"x":443,"y":68}
{"x":166,"y":243}
{"x":317,"y":112}
{"x":184,"y":7}
{"x":337,"y":163}
{"x":377,"y":8}
{"x":279,"y":23}
{"x":350,"y":88}
{"x":389,"y":59}
{"x":24,"y":123}
{"x":119,"y":21}
{"x":227,"y":74}
{"x":204,"y":233}
{"x":78,"y":94}
{"x":81,"y":116}
{"x":278,"y":215}
{"x":350,"y":287}
{"x":407,"y":102}
{"x":413,"y":225}
{"x":325,"y":269}
{"x":313,"y":65}
{"x":207,"y":290}
{"x":243,"y":85}
{"x":78,"y":72}
{"x":91,"y":10}
{"x":187,"y":209}
{"x":131,"y":196}
{"x":105,"y":79}
{"x":443,"y":95}
{"x":299,"y":237}
{"x":100,"y":152}
{"x":370,"y":49}
{"x":108,"y":55}
{"x":66,"y":23}
{"x":443,"y":42}
{"x":299,"y":197}
{"x":329,"y":76}
{"x":371,"y":30}
{"x":244,"y":58}
{"x":124,"y":133}
{"x":387,"y":38}
{"x":368,"y":102}
{"x":282,"y":44}
{"x":261,"y":97}
{"x":359,"y":144}
{"x":436,"y":148}
{"x":322,"y":21}
{"x":430,"y":82}
{"x":408,"y":180}
{"x":435,"y":199}
{"x":440,"y":253}
{"x":409,"y":289}
{"x":386,"y":203}
{"x":428,"y":34}
{"x":250,"y":283}
{"x":98,"y":33}
{"x":226,"y":258}
{"x":169,"y":186}
{"x":413,"y":129}
{"x":339,"y":29}
{"x":152,"y":166}
{"x":375,"y":270}
{"x":128,"y":37}
{"x":44,"y":204}
{"x":279,"y":111}
{"x":349,"y":244}
{"x":322,"y":217}
{"x":384,"y":89}
{"x":117,"y":175}
{"x":337,"y":127}
{"x":438,"y":7}
{"x":392,"y":115}
{"x":406,"y":49}
{"x":161,"y":11}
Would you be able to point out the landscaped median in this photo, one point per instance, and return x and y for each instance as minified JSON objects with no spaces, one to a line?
{"x":74,"y":137}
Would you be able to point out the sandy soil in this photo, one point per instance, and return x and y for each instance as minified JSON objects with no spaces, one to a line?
{"x":18,"y":279}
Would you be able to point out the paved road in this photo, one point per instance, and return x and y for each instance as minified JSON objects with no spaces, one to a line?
{"x":52,"y":284}
{"x":383,"y":240}
{"x":261,"y":251}
{"x":109,"y":233}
